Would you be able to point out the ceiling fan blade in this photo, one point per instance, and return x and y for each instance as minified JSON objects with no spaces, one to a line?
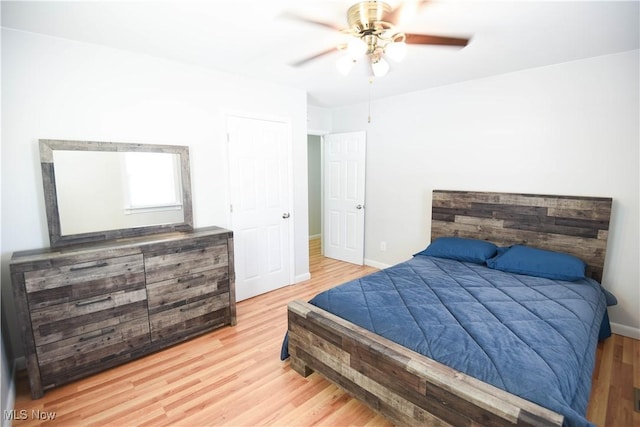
{"x":304,"y":19}
{"x":402,"y":9}
{"x":435,"y":40}
{"x":313,"y":57}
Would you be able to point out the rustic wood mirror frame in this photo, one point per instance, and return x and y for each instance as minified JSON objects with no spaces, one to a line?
{"x":56,"y":239}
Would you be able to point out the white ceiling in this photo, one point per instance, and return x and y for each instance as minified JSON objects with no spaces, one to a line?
{"x":252,"y":38}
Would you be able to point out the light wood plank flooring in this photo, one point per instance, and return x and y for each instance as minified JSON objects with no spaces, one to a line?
{"x":234,"y":377}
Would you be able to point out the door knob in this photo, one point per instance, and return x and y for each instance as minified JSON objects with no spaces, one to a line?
{"x":359,"y":206}
{"x":285,"y":215}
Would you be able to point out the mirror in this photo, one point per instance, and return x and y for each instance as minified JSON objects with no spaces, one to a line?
{"x":97,"y":191}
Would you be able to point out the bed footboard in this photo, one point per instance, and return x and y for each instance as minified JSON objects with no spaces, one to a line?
{"x":404,"y":386}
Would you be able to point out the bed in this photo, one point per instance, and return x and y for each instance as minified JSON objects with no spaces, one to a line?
{"x":477,"y":345}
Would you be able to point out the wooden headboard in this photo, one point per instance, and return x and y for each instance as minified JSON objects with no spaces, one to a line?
{"x":575,"y":225}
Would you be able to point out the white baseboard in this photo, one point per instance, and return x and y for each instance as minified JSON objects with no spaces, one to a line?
{"x":376,"y":264}
{"x":315,"y":237}
{"x":302,"y":277}
{"x":627,"y":331}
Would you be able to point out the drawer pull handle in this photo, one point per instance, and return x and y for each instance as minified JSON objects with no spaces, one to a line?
{"x":86,"y":267}
{"x":184,"y":309}
{"x":99,"y":334}
{"x":188,"y":279}
{"x":95,"y":301}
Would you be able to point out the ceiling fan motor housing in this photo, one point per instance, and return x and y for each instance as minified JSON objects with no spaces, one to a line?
{"x":367,"y":17}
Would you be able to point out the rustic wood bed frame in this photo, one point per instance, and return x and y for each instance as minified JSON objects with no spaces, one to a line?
{"x":411,"y":389}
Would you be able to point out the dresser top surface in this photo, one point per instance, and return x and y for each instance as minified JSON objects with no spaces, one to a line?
{"x":120,"y":244}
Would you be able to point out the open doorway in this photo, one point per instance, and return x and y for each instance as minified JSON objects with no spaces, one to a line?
{"x":314,"y":168}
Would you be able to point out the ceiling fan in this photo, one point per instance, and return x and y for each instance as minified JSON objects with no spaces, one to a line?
{"x":372,"y":27}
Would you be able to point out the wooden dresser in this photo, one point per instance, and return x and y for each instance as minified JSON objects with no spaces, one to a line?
{"x":86,"y":308}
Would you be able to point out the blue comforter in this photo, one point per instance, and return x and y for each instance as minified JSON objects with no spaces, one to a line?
{"x":531,"y":336}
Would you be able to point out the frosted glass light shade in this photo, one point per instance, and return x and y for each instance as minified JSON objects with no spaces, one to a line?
{"x":380,"y":68}
{"x":396,"y":51}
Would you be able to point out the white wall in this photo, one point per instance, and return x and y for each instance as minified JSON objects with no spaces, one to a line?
{"x":58,"y":89}
{"x":318,"y":120}
{"x":571,"y":128}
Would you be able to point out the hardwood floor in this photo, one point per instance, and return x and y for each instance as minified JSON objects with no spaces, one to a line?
{"x":234,"y":377}
{"x":616,"y":374}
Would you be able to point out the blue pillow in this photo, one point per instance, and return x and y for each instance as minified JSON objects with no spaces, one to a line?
{"x":539,"y":262}
{"x":458,"y":248}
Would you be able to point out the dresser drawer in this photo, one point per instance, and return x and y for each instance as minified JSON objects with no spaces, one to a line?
{"x":182,"y":261}
{"x":74,"y":282}
{"x":192,"y":318}
{"x":57,"y":323}
{"x":179,"y":291}
{"x":88,"y":352}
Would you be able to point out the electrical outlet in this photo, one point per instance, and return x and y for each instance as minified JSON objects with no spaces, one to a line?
{"x":383,"y":246}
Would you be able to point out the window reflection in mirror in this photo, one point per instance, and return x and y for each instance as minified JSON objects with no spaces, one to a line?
{"x":151,"y":182}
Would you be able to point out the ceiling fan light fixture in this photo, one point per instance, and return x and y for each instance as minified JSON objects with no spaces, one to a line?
{"x":373,"y":36}
{"x":396,"y":51}
{"x":380,"y":67}
{"x":345,"y":65}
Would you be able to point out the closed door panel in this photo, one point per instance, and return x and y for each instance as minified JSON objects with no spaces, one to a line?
{"x":260,"y":186}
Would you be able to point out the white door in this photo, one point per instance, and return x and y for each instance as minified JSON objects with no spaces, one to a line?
{"x":344,"y":184}
{"x":260,"y":204}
